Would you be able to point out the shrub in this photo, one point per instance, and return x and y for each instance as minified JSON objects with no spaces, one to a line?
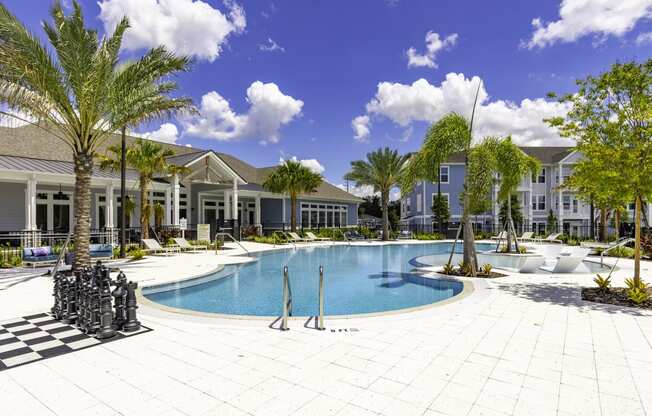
{"x":486,"y":269}
{"x":167,"y":234}
{"x":636,"y":284}
{"x":603,"y":282}
{"x":428,"y":236}
{"x":638,"y":295}
{"x":621,"y":251}
{"x":137,"y":254}
{"x":448,"y":268}
{"x":465,"y":269}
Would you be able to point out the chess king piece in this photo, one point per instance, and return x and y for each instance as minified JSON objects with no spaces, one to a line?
{"x":106,"y":329}
{"x":132,"y":323}
{"x":119,"y":301}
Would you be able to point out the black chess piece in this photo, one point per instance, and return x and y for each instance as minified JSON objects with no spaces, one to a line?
{"x":119,"y":301}
{"x":106,"y":329}
{"x":132,"y":323}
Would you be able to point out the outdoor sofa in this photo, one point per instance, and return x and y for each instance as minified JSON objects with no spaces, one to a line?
{"x":39,"y":256}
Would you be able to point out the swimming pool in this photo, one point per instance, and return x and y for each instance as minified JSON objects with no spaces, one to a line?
{"x":358,"y":280}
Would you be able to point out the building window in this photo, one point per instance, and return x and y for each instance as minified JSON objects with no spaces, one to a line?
{"x":446,"y":197}
{"x":418,"y":202}
{"x":313,"y":215}
{"x":443,"y":174}
{"x":407,"y":205}
{"x":538,"y":202}
{"x":540,"y":178}
{"x":575,"y":206}
{"x":566,"y":202}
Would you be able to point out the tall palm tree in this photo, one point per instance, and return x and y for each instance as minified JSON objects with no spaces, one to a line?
{"x":293,"y":179}
{"x":512,"y":165}
{"x":148,"y":158}
{"x":80,"y":93}
{"x":382,"y":170}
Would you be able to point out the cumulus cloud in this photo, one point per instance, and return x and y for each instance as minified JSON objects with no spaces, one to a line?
{"x":312,"y":164}
{"x":434,"y":45}
{"x":14,"y":118}
{"x":421,"y":101}
{"x":166,"y":133}
{"x":644,"y":38}
{"x":185,"y":27}
{"x":361,"y":128}
{"x":269,"y":110}
{"x":271,"y":46}
{"x":579,"y":18}
{"x":359,"y":191}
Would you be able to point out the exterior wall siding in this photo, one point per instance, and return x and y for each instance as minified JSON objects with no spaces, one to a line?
{"x":12,"y":206}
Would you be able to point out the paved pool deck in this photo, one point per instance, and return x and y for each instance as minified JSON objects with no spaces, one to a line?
{"x":518,"y":345}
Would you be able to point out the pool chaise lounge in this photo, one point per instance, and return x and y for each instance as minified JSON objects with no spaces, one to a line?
{"x":296,"y":238}
{"x":312,"y":237}
{"x":531,"y":264}
{"x":185,"y":245}
{"x":152,"y":246}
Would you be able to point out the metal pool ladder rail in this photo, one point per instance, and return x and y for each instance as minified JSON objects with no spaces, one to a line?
{"x":287,"y":300}
{"x":619,"y":243}
{"x":320,"y":319}
{"x":232,"y":239}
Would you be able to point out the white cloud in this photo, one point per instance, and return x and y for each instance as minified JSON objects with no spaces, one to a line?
{"x":361,"y":126}
{"x":166,"y":133}
{"x":359,"y":191}
{"x":312,"y":164}
{"x":579,"y":18}
{"x":185,"y":27}
{"x":269,"y":110}
{"x":644,"y":38}
{"x":434,"y":44}
{"x":421,"y":101}
{"x":13,"y":118}
{"x":271,"y":46}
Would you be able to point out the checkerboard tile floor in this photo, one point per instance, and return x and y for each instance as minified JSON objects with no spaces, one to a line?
{"x":36,"y":337}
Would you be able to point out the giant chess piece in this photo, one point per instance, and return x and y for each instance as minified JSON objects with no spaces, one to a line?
{"x":132,"y":323}
{"x":58,"y":307}
{"x":70,"y":315}
{"x":93,"y":324}
{"x":119,"y":301}
{"x":106,"y":315}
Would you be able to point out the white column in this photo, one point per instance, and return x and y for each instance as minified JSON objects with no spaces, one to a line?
{"x":257,"y":212}
{"x":175,"y":199}
{"x":28,"y":205}
{"x":530,"y":207}
{"x":168,"y":206}
{"x":32,"y":202}
{"x":109,"y":205}
{"x":283,"y":210}
{"x":560,"y":218}
{"x":227,"y":205}
{"x":235,"y":199}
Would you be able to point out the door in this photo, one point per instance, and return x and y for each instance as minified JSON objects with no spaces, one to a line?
{"x":210,"y":217}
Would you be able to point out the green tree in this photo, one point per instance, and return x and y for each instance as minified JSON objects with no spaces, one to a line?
{"x":382,"y":170}
{"x":609,"y":117}
{"x":371,"y":206}
{"x":453,"y":133}
{"x":440,"y":210}
{"x":82,"y":93}
{"x":149,"y":159}
{"x":516,"y":211}
{"x":551,"y":222}
{"x":512,"y":165}
{"x":293,"y":179}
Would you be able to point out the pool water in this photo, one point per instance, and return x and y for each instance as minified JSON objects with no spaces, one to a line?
{"x":357,"y":280}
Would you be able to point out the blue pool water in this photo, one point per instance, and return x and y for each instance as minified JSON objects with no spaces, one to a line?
{"x":358,"y":279}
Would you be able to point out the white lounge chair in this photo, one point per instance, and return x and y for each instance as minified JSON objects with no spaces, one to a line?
{"x":153,"y":246}
{"x":295,"y":238}
{"x":577,"y":251}
{"x":312,"y":237}
{"x":185,"y":245}
{"x":531,"y":264}
{"x":552,"y":238}
{"x":501,"y":236}
{"x":565,"y":264}
{"x":405,"y":235}
{"x":527,"y":236}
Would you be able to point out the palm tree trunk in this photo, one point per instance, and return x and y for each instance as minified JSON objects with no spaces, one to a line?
{"x":123,"y":191}
{"x":293,"y":213}
{"x":385,"y":202}
{"x":509,"y":223}
{"x":603,"y":224}
{"x":637,"y":240}
{"x":469,"y":257}
{"x":144,"y":208}
{"x":617,"y":223}
{"x":82,"y":207}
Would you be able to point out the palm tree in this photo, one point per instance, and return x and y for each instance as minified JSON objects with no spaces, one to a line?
{"x":81,"y":94}
{"x":293,"y":179}
{"x":382,"y":170}
{"x":512,"y":164}
{"x":148,"y":158}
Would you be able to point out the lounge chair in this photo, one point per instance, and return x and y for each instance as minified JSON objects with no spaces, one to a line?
{"x":501,"y":236}
{"x":153,"y":246}
{"x":39,"y":256}
{"x":577,"y":251}
{"x":185,"y":245}
{"x":312,"y":237}
{"x":526,"y":236}
{"x":296,"y":238}
{"x":551,"y":251}
{"x":552,"y":238}
{"x":565,"y":264}
{"x":531,"y":264}
{"x":405,"y":235}
{"x":354,"y":235}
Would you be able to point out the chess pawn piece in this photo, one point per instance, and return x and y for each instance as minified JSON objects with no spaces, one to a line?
{"x":106,"y":316}
{"x":119,"y":302}
{"x":132,"y":323}
{"x":70,"y":302}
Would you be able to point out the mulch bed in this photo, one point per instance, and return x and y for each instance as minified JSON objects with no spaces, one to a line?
{"x":615,"y":296}
{"x":492,"y":275}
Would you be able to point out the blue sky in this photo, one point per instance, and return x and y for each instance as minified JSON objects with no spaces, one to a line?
{"x":288,"y":78}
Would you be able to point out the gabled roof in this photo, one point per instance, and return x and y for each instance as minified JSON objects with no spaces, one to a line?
{"x":57,"y":167}
{"x":546,"y":154}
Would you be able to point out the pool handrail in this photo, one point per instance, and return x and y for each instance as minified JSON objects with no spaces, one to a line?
{"x":320,"y":319}
{"x":618,"y":243}
{"x":232,"y":239}
{"x":287,"y":300}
